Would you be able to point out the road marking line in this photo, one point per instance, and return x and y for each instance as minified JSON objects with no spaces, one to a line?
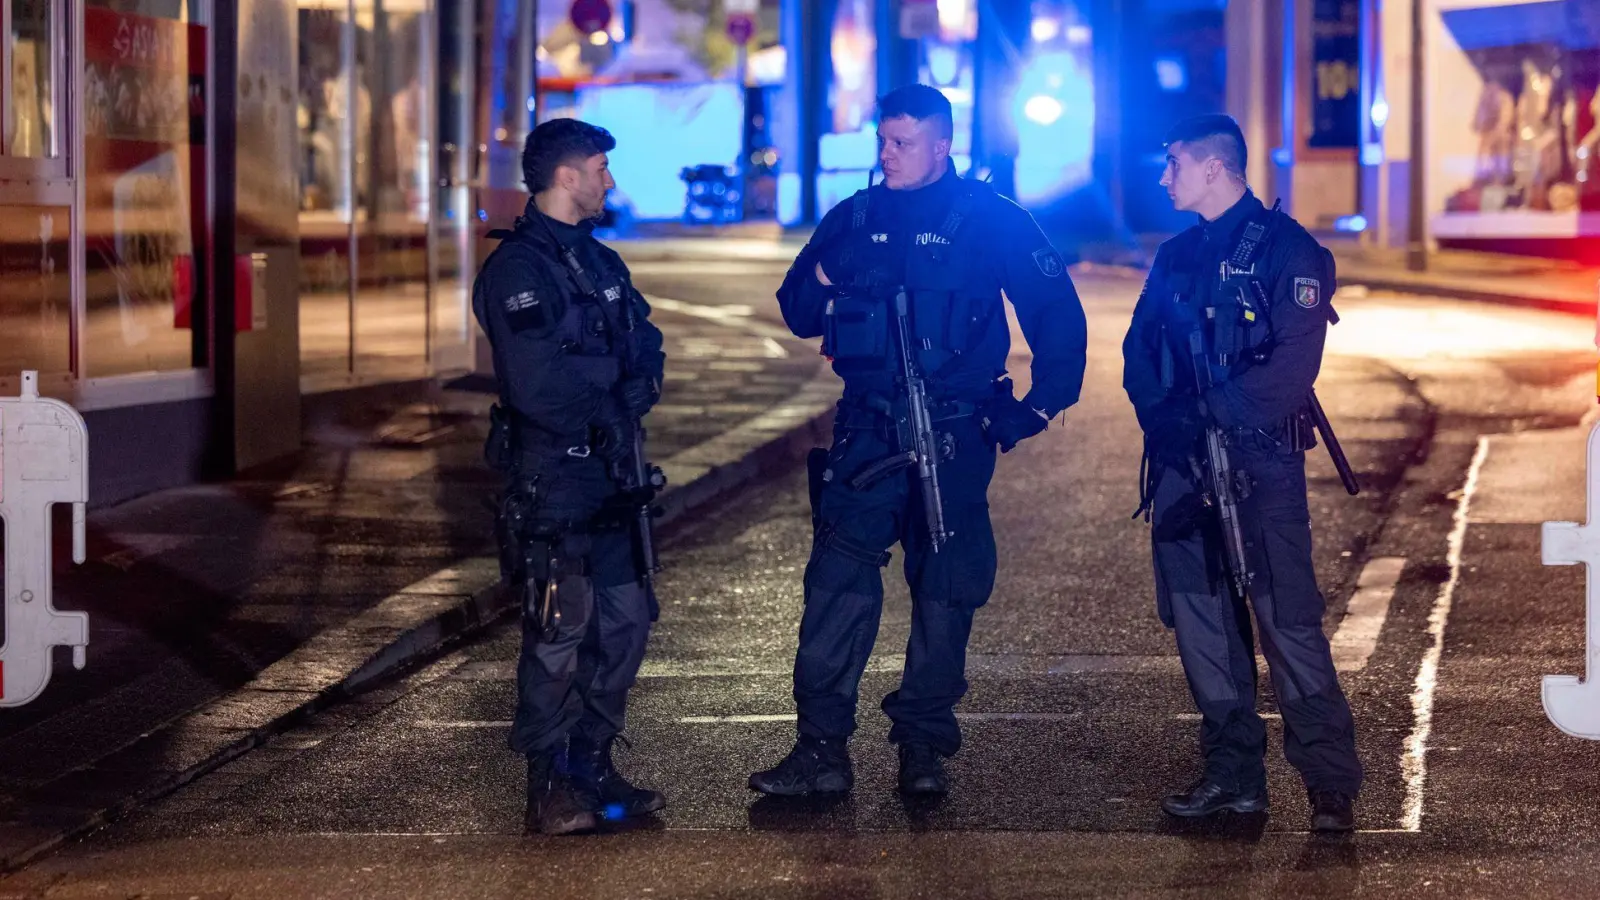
{"x":1195,"y":717}
{"x":978,"y":664}
{"x":735,"y":720}
{"x":739,"y":317}
{"x":768,"y":718}
{"x":1358,"y":633}
{"x":964,"y":716}
{"x":1414,"y":762}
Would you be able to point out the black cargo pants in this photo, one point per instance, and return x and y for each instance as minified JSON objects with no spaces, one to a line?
{"x":1213,"y":628}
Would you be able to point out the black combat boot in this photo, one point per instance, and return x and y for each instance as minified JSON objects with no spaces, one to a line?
{"x":609,"y":795}
{"x":1205,"y":797}
{"x":1332,"y":811}
{"x":814,"y":766}
{"x":921,"y":771}
{"x":555,"y":805}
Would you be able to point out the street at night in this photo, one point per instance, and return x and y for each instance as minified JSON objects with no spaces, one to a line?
{"x":1466,"y":424}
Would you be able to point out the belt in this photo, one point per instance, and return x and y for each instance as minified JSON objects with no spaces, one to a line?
{"x":1294,"y":432}
{"x":546,"y":445}
{"x":882,"y":408}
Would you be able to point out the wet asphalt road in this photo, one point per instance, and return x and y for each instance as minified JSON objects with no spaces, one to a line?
{"x":1078,"y":719}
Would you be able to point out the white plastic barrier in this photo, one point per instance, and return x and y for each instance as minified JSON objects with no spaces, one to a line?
{"x":44,"y":460}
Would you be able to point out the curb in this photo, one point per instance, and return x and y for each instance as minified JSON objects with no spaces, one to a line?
{"x":448,"y":606}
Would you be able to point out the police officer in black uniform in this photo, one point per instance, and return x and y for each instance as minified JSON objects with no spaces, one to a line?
{"x":1256,"y":287}
{"x":578,"y":363}
{"x":953,"y":245}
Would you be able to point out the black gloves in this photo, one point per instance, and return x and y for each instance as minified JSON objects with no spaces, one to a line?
{"x":1172,"y":430}
{"x":1010,"y":421}
{"x":638,"y":395}
{"x":613,"y":430}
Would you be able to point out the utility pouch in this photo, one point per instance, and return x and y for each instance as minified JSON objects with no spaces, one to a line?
{"x":856,"y":328}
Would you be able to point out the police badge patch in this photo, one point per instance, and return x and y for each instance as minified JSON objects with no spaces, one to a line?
{"x":525,"y":311}
{"x":1049,"y":262}
{"x":1307,"y":292}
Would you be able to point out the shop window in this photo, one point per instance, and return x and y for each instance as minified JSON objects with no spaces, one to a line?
{"x":144,"y":186}
{"x":35,"y":203}
{"x":34,"y":104}
{"x":1516,"y":157}
{"x":35,"y":289}
{"x":32,"y":113}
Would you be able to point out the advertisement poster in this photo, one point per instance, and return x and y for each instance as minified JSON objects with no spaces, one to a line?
{"x":144,"y":177}
{"x":1335,"y":73}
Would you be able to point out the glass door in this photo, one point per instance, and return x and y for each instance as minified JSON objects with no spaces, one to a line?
{"x":394,"y":41}
{"x":385,"y":120}
{"x":450,"y":257}
{"x":332,"y":112}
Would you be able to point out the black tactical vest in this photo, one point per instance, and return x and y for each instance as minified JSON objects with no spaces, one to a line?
{"x":590,"y":329}
{"x":951,"y":302}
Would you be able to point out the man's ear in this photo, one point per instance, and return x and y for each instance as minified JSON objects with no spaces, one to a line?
{"x":941,"y":148}
{"x":565,"y":178}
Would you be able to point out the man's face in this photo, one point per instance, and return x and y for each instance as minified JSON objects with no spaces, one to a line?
{"x":1187,"y":179}
{"x":911,"y":153}
{"x":588,"y":183}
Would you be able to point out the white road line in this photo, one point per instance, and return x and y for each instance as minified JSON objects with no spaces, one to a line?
{"x":1358,"y":633}
{"x":735,"y":720}
{"x":740,"y":317}
{"x":1413,"y":761}
{"x":1015,"y":665}
{"x":1195,"y":717}
{"x":780,"y":717}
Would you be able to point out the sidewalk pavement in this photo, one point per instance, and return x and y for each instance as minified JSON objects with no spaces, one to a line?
{"x":222,"y":613}
{"x":1492,"y":277}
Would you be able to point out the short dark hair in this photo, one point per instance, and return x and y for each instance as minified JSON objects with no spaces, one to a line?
{"x":920,"y":102}
{"x":1213,"y":136}
{"x":560,"y":142}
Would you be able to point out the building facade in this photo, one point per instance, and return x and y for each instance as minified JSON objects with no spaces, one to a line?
{"x":1507,"y":118}
{"x":211,"y":210}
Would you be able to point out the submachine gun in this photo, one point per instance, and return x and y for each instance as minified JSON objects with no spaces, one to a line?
{"x":920,"y":445}
{"x":1222,"y":485}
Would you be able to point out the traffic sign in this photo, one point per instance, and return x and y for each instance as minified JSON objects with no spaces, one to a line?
{"x":741,"y":28}
{"x":590,"y":16}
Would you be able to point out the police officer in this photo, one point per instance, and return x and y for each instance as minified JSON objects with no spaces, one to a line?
{"x":578,"y":364}
{"x":954,"y":246}
{"x":1256,"y":287}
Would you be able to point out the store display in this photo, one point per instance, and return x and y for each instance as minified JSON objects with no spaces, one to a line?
{"x":1495,"y":124}
{"x":1538,"y":133}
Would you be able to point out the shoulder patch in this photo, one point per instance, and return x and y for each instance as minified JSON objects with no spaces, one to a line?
{"x":1307,"y":292}
{"x":1049,"y":262}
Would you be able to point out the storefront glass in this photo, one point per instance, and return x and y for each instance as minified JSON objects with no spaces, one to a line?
{"x":35,"y":289}
{"x":334,"y":108}
{"x":35,"y":219}
{"x":374,"y":262}
{"x":1517,"y":158}
{"x":144,"y":186}
{"x":31,"y":115}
